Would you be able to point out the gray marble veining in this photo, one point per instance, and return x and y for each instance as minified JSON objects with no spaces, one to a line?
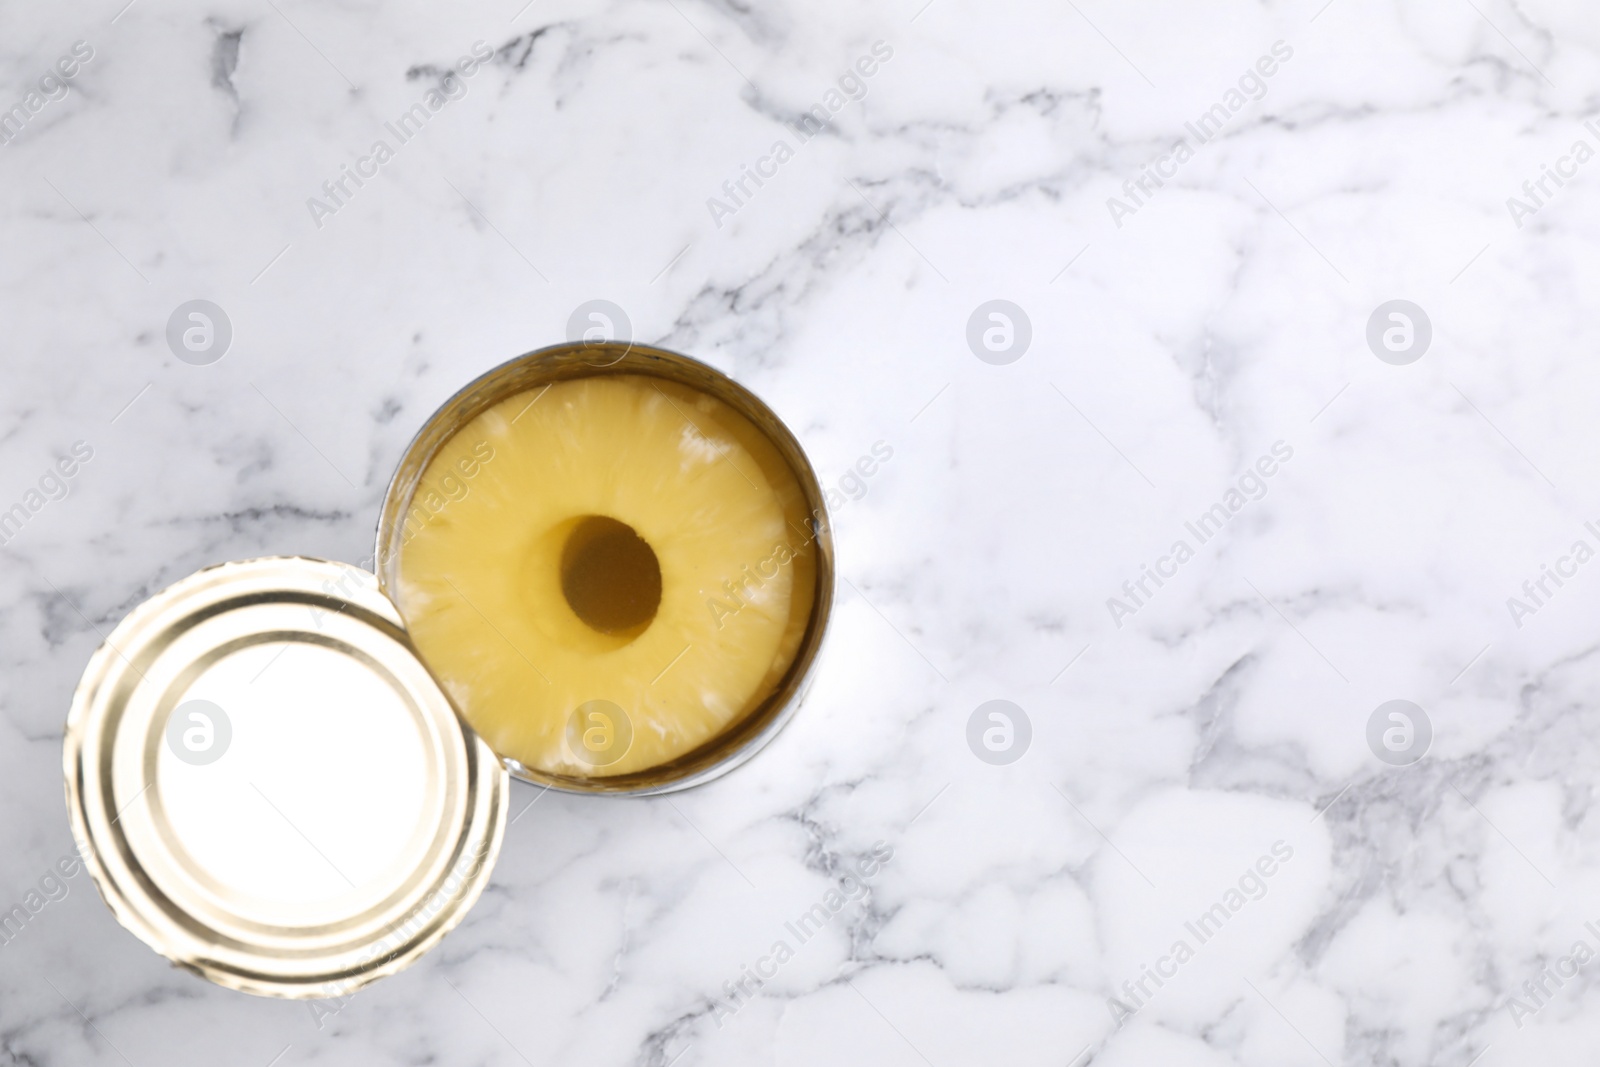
{"x":1198,"y":215}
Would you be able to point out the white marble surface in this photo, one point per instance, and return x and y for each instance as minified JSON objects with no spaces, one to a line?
{"x":1169,"y":754}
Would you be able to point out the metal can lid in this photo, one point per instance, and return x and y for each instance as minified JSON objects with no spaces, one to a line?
{"x":269,"y":787}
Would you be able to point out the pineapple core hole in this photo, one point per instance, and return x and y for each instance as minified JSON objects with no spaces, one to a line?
{"x":610,"y":576}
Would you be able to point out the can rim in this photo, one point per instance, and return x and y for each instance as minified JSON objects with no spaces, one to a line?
{"x":239,"y":952}
{"x":734,"y":746}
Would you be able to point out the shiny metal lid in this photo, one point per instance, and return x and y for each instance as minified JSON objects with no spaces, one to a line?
{"x":268,"y":786}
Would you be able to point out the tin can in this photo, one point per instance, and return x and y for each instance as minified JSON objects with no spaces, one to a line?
{"x":566,"y":362}
{"x":270,"y":786}
{"x":270,"y":789}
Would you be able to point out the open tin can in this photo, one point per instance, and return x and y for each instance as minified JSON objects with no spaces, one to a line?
{"x":271,"y":786}
{"x":563,"y":363}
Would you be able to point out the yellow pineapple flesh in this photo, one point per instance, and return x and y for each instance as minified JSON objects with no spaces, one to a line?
{"x":619,"y":543}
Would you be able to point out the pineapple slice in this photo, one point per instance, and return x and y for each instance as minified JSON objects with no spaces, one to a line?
{"x":621,"y":543}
